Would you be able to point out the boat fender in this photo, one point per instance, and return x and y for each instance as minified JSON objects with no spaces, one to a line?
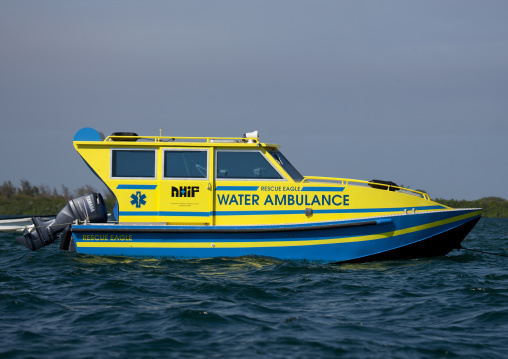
{"x":124,"y":134}
{"x":383,"y":185}
{"x":72,"y":245}
{"x":65,"y":238}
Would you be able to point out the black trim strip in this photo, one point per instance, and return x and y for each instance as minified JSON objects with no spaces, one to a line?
{"x":171,"y":229}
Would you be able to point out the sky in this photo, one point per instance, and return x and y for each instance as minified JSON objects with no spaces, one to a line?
{"x":414,"y":92}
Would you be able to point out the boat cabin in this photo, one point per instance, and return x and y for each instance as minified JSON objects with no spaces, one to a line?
{"x":225,"y":181}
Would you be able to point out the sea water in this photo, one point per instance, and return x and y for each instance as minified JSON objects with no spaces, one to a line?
{"x":57,"y":304}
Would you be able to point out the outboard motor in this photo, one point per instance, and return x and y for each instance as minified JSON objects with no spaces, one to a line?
{"x":90,"y":208}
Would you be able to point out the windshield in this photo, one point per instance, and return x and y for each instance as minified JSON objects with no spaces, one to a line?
{"x":286,"y":165}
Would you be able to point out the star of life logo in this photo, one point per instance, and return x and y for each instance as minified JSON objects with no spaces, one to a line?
{"x":138,"y":199}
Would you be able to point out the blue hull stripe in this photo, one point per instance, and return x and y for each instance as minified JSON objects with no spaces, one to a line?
{"x":255,"y":188}
{"x":236,"y":188}
{"x":166,"y":213}
{"x":359,"y":210}
{"x":322,"y":189}
{"x":374,"y":210}
{"x":136,"y":186}
{"x":268,"y":213}
{"x":239,"y":228}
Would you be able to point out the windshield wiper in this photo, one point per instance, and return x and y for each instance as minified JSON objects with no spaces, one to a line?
{"x":277,"y":158}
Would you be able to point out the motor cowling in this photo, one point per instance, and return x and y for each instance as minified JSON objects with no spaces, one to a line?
{"x":90,"y":208}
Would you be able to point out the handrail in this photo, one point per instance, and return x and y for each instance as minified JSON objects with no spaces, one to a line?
{"x":173,"y":138}
{"x":346,"y":181}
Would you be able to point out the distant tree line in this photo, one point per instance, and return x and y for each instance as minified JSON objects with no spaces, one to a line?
{"x":43,"y":200}
{"x":493,"y":207}
{"x":28,"y":199}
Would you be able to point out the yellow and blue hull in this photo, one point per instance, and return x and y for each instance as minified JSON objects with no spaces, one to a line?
{"x":402,"y":236}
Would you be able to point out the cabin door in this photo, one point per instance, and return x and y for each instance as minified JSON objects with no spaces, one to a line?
{"x":185,"y":196}
{"x":244,"y":180}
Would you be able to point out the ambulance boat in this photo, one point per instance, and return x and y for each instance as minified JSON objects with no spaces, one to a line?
{"x":204,"y":197}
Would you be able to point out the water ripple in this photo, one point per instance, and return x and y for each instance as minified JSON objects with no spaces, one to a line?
{"x":69,"y":305}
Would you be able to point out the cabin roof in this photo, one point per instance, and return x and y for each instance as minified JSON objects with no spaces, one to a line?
{"x":91,"y":135}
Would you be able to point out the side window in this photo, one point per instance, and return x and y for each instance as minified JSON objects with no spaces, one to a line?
{"x":133,"y":164}
{"x":244,"y":165}
{"x":185,"y":164}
